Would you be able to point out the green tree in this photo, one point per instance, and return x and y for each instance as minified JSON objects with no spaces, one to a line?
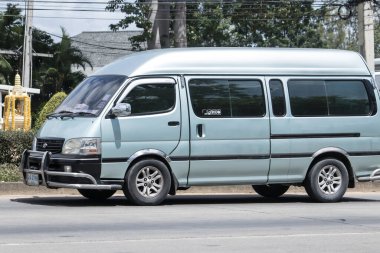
{"x":5,"y":70}
{"x":11,"y":29}
{"x":158,"y":19}
{"x":12,"y":38}
{"x":136,"y":13}
{"x":265,"y":23}
{"x":279,"y":23}
{"x":49,"y":107}
{"x":209,"y":25}
{"x":65,"y":56}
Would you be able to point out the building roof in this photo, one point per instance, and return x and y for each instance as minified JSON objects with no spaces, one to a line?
{"x":104,"y":47}
{"x":242,"y":61}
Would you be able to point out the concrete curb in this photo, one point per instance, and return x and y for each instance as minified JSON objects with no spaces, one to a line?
{"x":19,"y":188}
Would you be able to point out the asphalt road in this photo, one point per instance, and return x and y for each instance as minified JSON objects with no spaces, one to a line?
{"x":190,"y":223}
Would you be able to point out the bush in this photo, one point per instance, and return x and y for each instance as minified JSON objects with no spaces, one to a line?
{"x":12,"y":144}
{"x":49,"y":107}
{"x":10,"y":173}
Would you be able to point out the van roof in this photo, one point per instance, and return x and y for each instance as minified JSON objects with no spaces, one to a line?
{"x":233,"y":61}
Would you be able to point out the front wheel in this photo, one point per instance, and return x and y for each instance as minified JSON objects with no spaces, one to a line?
{"x":270,"y":191}
{"x":97,"y":195}
{"x":327,"y":181}
{"x":147,"y":182}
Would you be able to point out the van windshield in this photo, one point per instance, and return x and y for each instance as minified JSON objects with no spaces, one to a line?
{"x":90,"y":97}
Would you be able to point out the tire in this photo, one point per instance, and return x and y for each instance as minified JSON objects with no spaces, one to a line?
{"x":270,"y":191}
{"x":96,"y":195}
{"x":327,"y":181}
{"x":147,"y":183}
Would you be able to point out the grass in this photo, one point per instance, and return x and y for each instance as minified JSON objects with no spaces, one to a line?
{"x":10,"y":173}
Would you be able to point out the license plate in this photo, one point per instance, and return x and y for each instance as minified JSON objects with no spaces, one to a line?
{"x":32,"y":179}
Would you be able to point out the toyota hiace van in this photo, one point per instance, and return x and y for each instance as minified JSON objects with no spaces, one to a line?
{"x":162,"y":120}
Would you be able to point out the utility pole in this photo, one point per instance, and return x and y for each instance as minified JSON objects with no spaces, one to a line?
{"x":366,"y":33}
{"x":27,"y":48}
{"x":180,"y":38}
{"x":154,"y":41}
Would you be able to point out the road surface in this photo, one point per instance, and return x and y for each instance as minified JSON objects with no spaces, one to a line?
{"x":190,"y":223}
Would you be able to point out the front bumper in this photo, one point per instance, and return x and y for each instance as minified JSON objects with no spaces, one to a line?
{"x":43,"y":168}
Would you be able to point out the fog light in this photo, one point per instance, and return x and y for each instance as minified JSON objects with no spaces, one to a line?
{"x":67,"y":168}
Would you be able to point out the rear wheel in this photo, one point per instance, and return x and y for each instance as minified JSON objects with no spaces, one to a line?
{"x":270,"y":191}
{"x":327,"y":181}
{"x":147,"y":182}
{"x":96,"y":194}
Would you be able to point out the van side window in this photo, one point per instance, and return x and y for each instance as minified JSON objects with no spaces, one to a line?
{"x":347,"y":98}
{"x":278,"y":97}
{"x":328,"y":98}
{"x":222,"y":98}
{"x":151,"y":98}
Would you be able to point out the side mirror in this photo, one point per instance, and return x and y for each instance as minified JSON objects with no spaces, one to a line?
{"x":121,"y":110}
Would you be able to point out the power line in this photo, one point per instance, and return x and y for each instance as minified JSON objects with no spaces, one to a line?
{"x":90,"y":44}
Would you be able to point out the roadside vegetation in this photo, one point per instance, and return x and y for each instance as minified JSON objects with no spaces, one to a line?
{"x":9,"y":173}
{"x":12,"y":145}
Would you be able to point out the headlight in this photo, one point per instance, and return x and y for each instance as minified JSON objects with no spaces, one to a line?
{"x":82,"y":146}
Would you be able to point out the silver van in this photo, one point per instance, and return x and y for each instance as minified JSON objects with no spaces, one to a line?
{"x":162,"y":120}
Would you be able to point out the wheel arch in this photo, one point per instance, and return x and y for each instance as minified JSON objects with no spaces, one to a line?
{"x":156,"y":155}
{"x":336,"y":153}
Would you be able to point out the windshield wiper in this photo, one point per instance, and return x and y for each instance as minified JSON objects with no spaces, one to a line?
{"x":83,"y":114}
{"x":61,"y":114}
{"x":69,"y":114}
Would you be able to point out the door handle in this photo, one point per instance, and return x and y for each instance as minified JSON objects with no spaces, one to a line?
{"x":201,"y":130}
{"x":173,"y":123}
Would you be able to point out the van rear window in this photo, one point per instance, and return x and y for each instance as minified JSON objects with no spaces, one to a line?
{"x":227,"y":98}
{"x":328,"y":98}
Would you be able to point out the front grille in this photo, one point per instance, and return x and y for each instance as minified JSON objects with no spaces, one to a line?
{"x":53,"y":145}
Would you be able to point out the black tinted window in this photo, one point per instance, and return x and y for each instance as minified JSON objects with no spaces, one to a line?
{"x":347,"y":98}
{"x":328,"y":98}
{"x":210,"y":98}
{"x":227,"y":98}
{"x":278,"y":97}
{"x":151,"y":98}
{"x":307,"y":97}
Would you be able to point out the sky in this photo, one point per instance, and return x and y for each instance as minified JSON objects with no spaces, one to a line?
{"x":75,"y":16}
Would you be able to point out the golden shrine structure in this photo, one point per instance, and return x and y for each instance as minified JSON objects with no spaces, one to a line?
{"x":17,"y":111}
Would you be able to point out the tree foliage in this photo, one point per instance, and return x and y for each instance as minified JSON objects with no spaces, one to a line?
{"x":136,"y":13}
{"x":50,"y":75}
{"x":49,"y":107}
{"x":5,"y":70}
{"x":65,"y":56}
{"x":265,"y":23}
{"x":13,"y":143}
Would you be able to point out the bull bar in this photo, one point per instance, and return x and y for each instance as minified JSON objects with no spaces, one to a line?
{"x":44,"y":173}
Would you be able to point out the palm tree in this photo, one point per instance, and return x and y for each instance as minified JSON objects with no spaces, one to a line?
{"x":65,"y":56}
{"x":5,"y":70}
